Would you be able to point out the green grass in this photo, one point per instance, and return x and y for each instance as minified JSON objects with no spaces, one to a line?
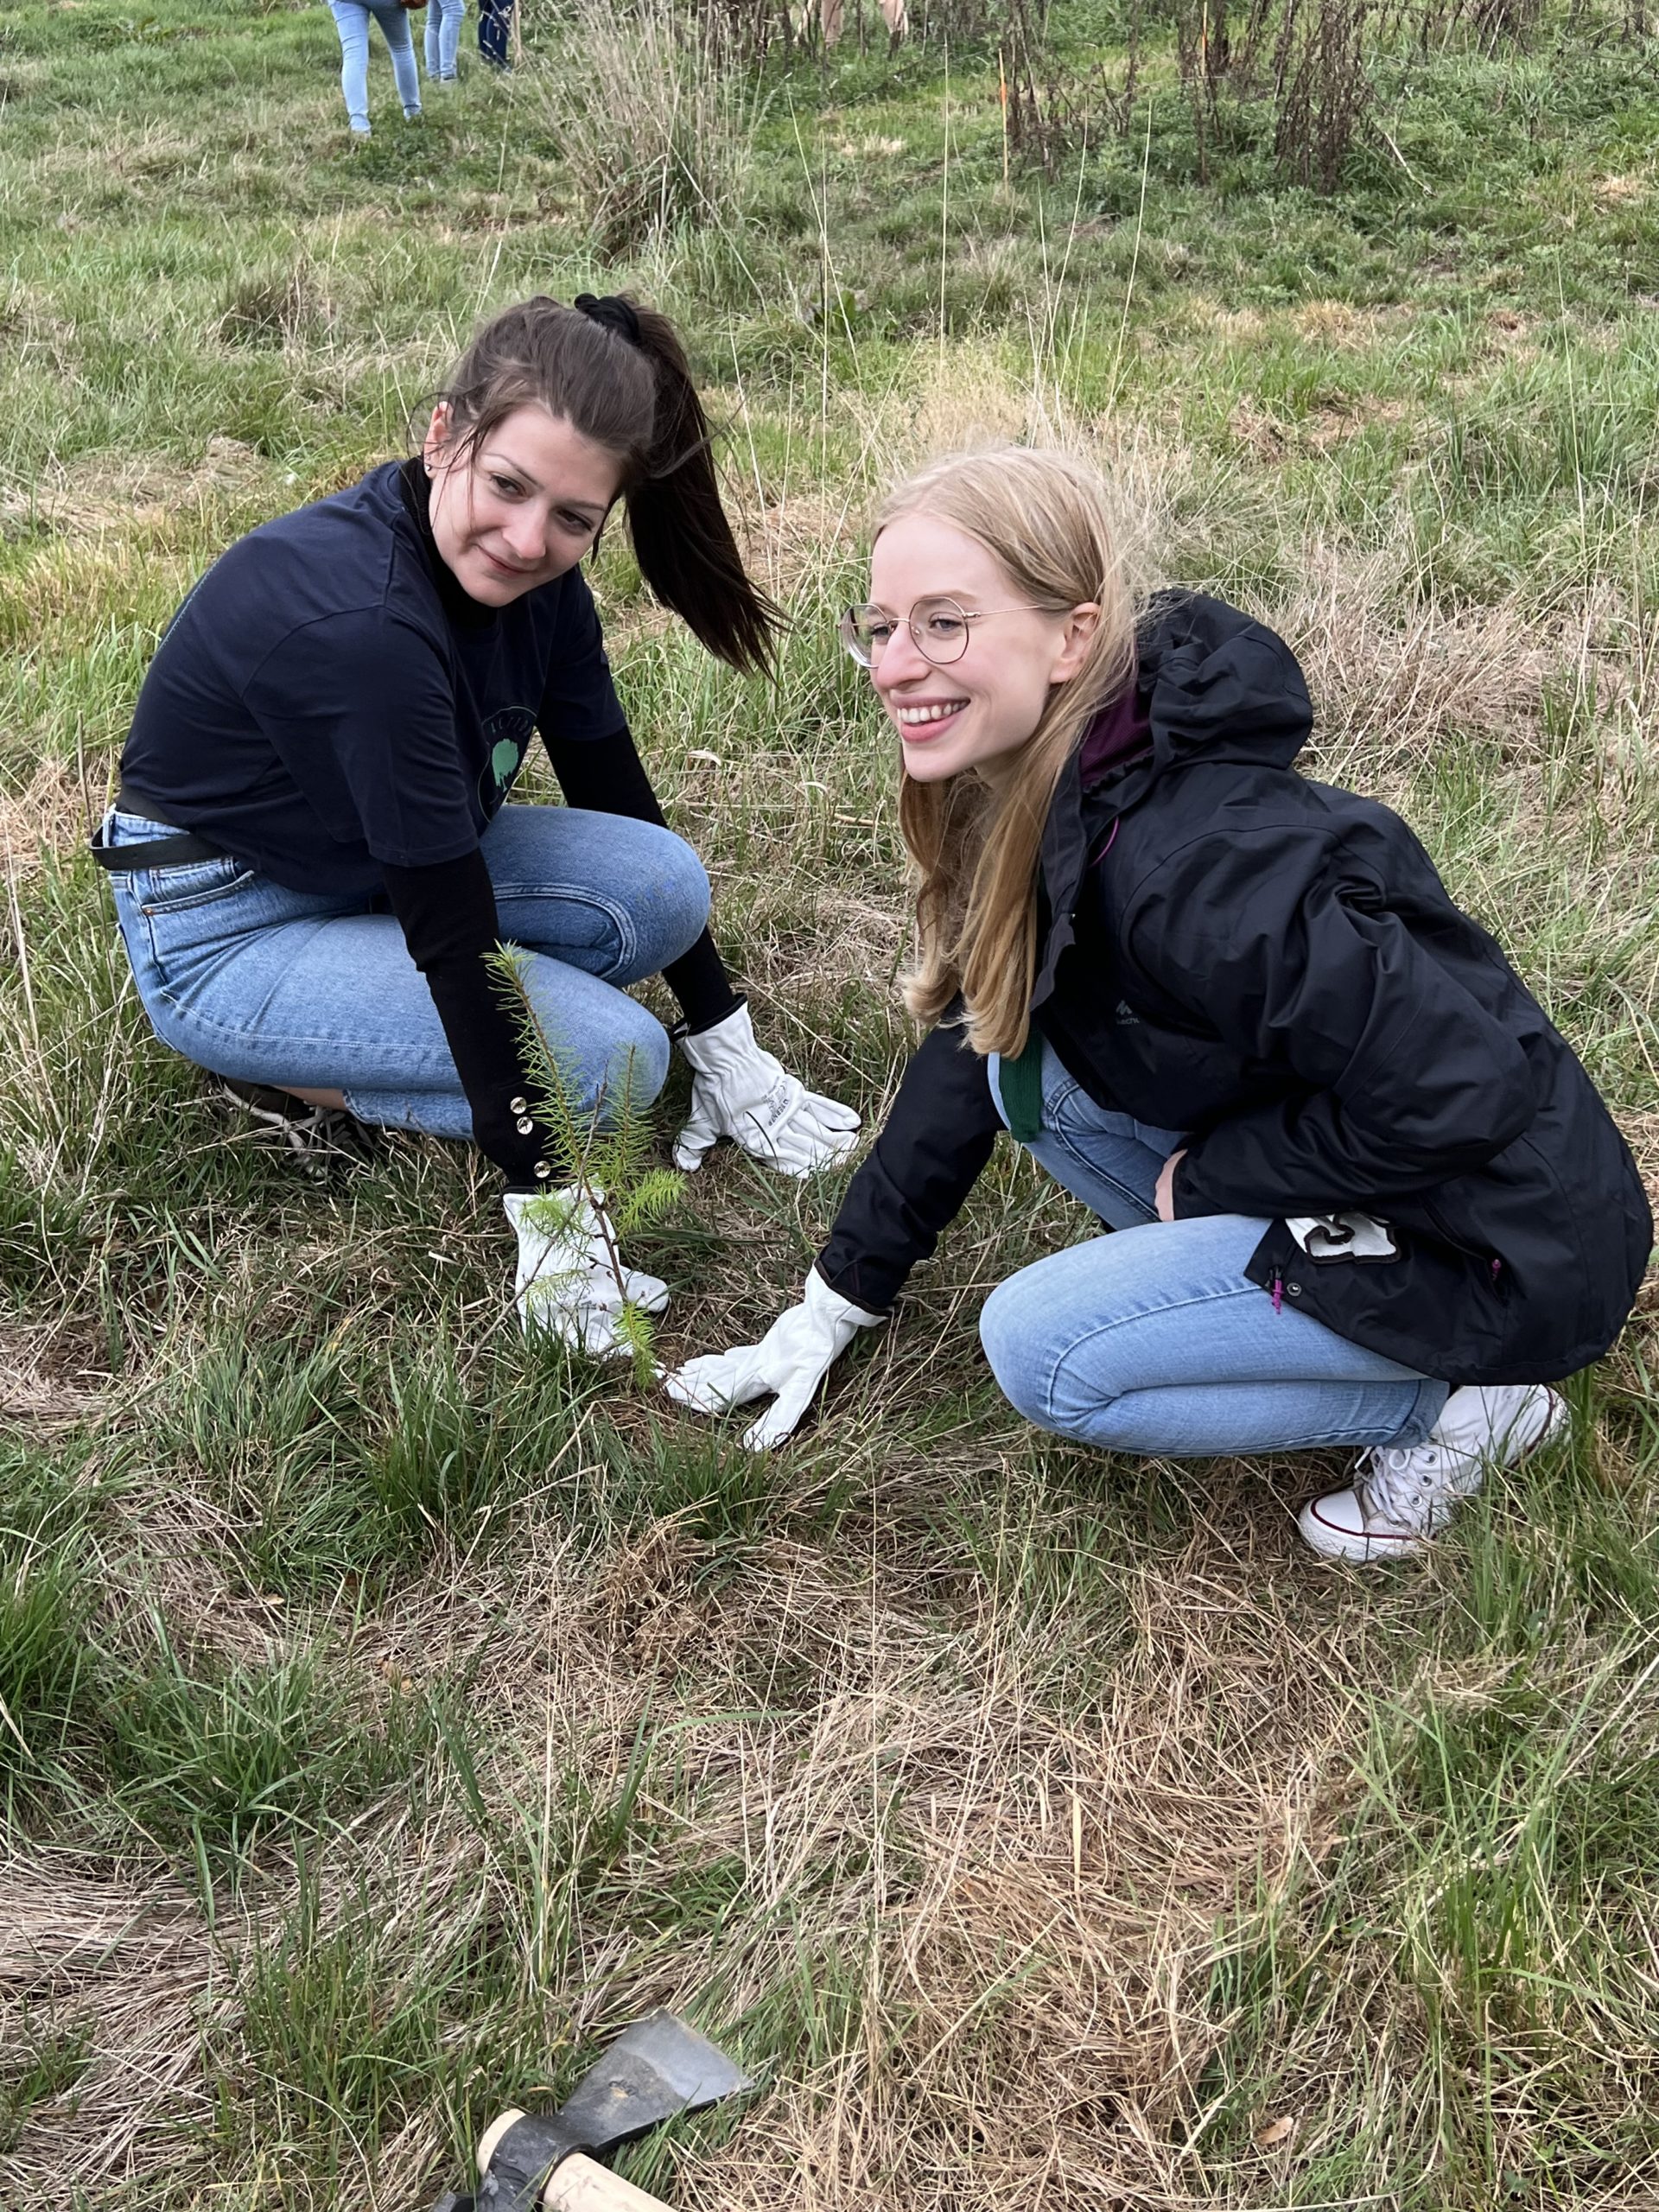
{"x":387,"y":1710}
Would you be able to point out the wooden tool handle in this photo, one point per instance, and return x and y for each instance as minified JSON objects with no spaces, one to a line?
{"x":579,"y":2184}
{"x":576,"y":2184}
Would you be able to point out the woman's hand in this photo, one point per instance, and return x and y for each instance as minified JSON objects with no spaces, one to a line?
{"x":789,"y":1362}
{"x":743,"y":1092}
{"x":1164,"y":1198}
{"x":572,"y":1281}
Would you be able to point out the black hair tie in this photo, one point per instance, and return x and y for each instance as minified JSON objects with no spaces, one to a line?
{"x":612,"y":313}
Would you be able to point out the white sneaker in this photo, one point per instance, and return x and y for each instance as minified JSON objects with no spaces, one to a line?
{"x":1405,"y":1493}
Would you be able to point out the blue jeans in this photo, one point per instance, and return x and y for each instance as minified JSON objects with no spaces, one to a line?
{"x":1154,"y":1341}
{"x":351,"y":22}
{"x":443,"y":19}
{"x":317,"y":991}
{"x":494,"y":22}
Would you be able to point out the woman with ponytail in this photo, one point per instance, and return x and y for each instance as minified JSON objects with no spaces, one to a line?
{"x":1365,"y":1195}
{"x":312,"y":858}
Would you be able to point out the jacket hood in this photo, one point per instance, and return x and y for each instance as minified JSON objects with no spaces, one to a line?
{"x":1214,"y":686}
{"x":1219,"y":686}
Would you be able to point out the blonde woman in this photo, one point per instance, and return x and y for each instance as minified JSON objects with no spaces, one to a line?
{"x":1364,"y":1194}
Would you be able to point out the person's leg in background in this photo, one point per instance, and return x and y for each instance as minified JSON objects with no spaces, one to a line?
{"x":494,"y":26}
{"x":351,"y":22}
{"x":443,"y":21}
{"x":400,"y":44}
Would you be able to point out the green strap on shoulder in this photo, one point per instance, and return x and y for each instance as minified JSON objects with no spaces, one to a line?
{"x":1022,"y":1084}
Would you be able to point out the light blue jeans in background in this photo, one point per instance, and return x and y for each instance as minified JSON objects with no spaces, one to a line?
{"x":1153,"y":1340}
{"x":351,"y":22}
{"x":443,"y":21}
{"x":303,"y":989}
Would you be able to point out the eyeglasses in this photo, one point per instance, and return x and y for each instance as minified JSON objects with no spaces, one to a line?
{"x":938,"y":626}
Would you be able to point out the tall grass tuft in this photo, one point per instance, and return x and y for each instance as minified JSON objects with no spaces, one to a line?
{"x":655,"y":115}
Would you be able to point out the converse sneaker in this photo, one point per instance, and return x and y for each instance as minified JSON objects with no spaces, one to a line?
{"x":313,"y":1135}
{"x":1406,"y":1493}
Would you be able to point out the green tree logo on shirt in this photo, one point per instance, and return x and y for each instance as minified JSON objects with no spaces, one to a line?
{"x":508,"y":735}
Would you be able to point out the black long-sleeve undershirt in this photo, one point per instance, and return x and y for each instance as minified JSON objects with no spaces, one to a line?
{"x":448,"y":915}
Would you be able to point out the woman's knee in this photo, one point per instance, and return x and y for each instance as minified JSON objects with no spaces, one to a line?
{"x":621,"y":898}
{"x":1018,"y":1332}
{"x":674,"y":913}
{"x":637,"y":1068}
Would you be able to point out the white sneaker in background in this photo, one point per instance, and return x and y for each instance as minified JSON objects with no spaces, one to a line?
{"x":1405,"y":1493}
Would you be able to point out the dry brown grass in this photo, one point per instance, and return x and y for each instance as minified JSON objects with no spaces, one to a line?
{"x":99,"y":495}
{"x":132,"y":1957}
{"x":1035,"y":1905}
{"x":52,"y":813}
{"x":49,"y":1374}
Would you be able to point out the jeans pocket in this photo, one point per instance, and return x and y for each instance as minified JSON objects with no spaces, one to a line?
{"x":187,"y":883}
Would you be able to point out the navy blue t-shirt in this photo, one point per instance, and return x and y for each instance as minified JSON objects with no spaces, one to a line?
{"x":328,"y":699}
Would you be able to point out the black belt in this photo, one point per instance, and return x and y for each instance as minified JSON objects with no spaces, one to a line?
{"x":153,"y":852}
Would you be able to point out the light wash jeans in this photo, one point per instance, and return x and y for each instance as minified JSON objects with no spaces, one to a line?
{"x":1153,"y":1340}
{"x":443,"y":21}
{"x":296,"y":988}
{"x":351,"y":22}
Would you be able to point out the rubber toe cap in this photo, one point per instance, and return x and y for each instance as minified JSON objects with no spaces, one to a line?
{"x":1335,"y":1526}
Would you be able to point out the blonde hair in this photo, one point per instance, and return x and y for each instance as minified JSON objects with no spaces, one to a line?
{"x":1047,"y":519}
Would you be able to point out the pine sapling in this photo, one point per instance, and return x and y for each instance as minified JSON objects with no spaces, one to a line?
{"x":609,"y":1168}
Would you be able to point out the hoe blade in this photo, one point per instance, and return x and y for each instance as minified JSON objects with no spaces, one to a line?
{"x":654,"y":2070}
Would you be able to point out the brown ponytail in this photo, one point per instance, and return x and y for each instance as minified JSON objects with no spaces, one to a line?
{"x":682,"y":537}
{"x":617,"y":372}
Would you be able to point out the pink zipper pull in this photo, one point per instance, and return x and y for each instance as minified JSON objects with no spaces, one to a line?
{"x":1278,"y":1292}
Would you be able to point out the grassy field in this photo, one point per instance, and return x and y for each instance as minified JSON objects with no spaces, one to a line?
{"x":386,"y":1711}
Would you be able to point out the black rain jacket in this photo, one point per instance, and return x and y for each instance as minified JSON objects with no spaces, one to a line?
{"x":1274,"y":966}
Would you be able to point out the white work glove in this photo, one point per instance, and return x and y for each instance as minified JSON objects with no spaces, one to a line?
{"x":571,"y":1279}
{"x":792,"y":1359}
{"x":744,"y":1093}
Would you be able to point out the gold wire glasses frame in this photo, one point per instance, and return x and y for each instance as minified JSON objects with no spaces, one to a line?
{"x":939,"y":628}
